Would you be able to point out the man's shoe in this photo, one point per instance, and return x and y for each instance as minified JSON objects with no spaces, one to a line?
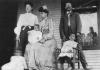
{"x":86,"y":69}
{"x":72,"y":69}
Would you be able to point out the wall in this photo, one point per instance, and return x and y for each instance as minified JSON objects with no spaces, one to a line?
{"x":98,"y":17}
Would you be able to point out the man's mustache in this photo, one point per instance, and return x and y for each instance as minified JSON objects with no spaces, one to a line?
{"x":68,"y":8}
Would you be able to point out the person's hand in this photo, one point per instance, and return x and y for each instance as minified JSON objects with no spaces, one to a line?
{"x":42,"y":41}
{"x":64,"y":39}
{"x":70,"y":51}
{"x":45,"y":36}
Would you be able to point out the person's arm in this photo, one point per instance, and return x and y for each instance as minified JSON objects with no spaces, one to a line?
{"x":40,"y":36}
{"x":36,"y":20}
{"x":25,"y":64}
{"x":17,"y":29}
{"x":61,"y":27}
{"x":79,"y":24}
{"x":51,"y":30}
{"x":79,"y":47}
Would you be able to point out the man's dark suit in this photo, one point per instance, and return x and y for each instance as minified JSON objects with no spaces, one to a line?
{"x":75,"y":25}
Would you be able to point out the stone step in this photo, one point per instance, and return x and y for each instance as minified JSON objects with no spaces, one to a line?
{"x":93,"y":59}
{"x":92,"y":56}
{"x":91,"y":51}
{"x":89,"y":66}
{"x":95,"y":69}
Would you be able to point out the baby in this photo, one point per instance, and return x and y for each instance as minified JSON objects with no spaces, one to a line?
{"x":34,"y":35}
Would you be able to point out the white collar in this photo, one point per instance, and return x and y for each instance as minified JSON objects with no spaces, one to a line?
{"x":69,"y":12}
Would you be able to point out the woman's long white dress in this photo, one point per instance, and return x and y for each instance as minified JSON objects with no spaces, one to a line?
{"x":41,"y":56}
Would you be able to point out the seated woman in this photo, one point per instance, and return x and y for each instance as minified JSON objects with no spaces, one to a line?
{"x":67,"y":51}
{"x":41,"y":55}
{"x":34,"y":36}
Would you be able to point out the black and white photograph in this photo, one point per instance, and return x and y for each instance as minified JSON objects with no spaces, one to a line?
{"x":49,"y":35}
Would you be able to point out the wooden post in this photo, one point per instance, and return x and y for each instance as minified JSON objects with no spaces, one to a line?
{"x":98,"y":21}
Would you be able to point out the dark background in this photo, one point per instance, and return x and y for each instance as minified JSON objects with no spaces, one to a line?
{"x":8,"y":18}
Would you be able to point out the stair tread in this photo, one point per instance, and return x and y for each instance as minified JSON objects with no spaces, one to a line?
{"x":92,"y":58}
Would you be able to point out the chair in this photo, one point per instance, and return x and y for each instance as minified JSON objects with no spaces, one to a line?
{"x":76,"y":56}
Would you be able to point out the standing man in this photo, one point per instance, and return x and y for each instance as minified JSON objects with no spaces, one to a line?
{"x":70,"y":23}
{"x":25,"y":23}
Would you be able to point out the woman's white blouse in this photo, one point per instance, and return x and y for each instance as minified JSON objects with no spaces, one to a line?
{"x":25,"y":20}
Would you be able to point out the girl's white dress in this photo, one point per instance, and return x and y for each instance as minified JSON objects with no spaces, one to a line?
{"x":67,"y":49}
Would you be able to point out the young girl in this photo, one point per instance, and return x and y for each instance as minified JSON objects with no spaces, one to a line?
{"x":67,"y":51}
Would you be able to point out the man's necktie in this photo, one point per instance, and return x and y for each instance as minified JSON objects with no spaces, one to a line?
{"x":69,"y":20}
{"x":69,"y":26}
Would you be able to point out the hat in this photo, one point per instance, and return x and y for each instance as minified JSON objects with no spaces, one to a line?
{"x":68,"y":5}
{"x":43,"y":9}
{"x":29,"y":2}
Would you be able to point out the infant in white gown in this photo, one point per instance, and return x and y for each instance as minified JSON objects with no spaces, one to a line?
{"x":17,"y":62}
{"x":34,"y":36}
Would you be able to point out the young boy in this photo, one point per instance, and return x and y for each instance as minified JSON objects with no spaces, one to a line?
{"x":67,"y":51}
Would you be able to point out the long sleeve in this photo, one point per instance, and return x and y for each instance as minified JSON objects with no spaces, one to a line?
{"x":40,"y":36}
{"x":19,"y":24}
{"x":24,"y":64}
{"x":36,"y":20}
{"x":51,"y":28}
{"x":61,"y":29}
{"x":78,"y":21}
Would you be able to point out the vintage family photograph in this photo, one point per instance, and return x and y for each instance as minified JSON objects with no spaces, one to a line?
{"x":49,"y":35}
